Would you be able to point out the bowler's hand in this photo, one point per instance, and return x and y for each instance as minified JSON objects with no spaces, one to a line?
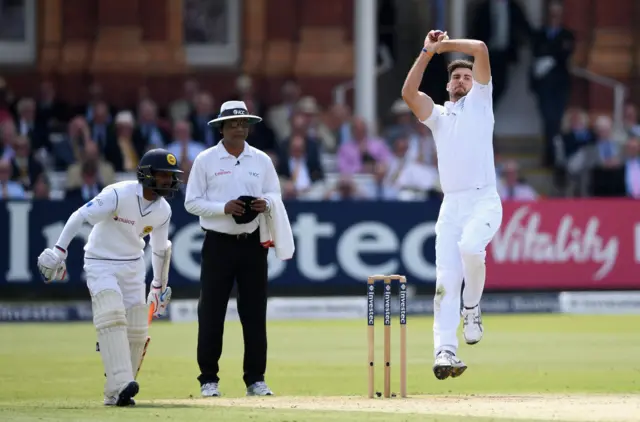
{"x":234,"y":207}
{"x":433,"y":40}
{"x":259,"y":205}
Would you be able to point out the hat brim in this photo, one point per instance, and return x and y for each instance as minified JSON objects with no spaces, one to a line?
{"x":250,"y":117}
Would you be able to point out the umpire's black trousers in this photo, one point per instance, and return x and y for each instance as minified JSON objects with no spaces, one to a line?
{"x":226,"y":258}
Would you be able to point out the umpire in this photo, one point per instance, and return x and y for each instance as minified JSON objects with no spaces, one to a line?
{"x":226,"y":189}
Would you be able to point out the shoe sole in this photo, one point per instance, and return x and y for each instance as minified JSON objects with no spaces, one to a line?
{"x":211,"y":395}
{"x":125,"y":396}
{"x":444,"y":372}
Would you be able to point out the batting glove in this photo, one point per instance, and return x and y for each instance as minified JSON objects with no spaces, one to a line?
{"x":51,"y":264}
{"x":158,"y":299}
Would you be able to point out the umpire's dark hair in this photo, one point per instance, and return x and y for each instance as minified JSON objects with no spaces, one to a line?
{"x":458,"y":64}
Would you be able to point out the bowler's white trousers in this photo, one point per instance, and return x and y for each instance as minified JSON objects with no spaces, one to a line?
{"x":125,"y":277}
{"x":466,"y":224}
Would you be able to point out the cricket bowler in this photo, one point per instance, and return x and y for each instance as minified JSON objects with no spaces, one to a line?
{"x":471,"y":210}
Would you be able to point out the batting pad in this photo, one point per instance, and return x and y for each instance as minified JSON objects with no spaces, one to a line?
{"x":111,"y":325}
{"x":137,"y":329}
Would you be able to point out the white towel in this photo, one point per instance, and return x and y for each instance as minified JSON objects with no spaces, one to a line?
{"x":275,"y":229}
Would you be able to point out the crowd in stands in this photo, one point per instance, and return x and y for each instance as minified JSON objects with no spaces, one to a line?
{"x":50,"y":150}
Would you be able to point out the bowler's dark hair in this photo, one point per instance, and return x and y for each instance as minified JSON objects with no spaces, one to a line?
{"x":457,"y":64}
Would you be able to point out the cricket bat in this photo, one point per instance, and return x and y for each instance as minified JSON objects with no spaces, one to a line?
{"x":152,"y":308}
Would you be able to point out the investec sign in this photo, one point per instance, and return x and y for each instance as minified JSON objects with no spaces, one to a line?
{"x":329,"y":245}
{"x":586,"y":244}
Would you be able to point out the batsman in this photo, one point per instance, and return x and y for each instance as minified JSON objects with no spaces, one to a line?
{"x":123,"y":215}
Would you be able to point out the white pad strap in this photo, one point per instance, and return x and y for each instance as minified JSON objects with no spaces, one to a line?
{"x":111,"y":325}
{"x":137,"y":330}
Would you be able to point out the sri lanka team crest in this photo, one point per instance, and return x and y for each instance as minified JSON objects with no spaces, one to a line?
{"x":171,"y":159}
{"x":146,"y":231}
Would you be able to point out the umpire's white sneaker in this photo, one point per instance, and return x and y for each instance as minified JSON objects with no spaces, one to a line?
{"x":472,"y":325}
{"x":259,"y":389}
{"x":448,"y":365}
{"x":210,"y":389}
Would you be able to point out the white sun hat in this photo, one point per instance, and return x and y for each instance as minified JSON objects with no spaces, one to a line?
{"x":234,"y":110}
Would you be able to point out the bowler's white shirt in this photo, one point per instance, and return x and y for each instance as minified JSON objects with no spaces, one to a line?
{"x":218,"y":177}
{"x":463,"y":134}
{"x":121,"y":219}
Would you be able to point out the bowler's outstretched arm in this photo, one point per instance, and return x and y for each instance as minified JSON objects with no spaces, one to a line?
{"x":475,"y":48}
{"x":420,"y":103}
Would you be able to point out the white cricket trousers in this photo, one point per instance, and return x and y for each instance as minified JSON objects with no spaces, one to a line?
{"x":467,"y":222}
{"x":125,"y":277}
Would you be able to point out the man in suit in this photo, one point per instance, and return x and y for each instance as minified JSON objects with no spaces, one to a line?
{"x":300,"y":163}
{"x":550,"y":80}
{"x":502,"y":26}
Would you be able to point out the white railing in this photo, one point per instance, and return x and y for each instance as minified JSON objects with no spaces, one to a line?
{"x":340,"y":91}
{"x":619,"y":92}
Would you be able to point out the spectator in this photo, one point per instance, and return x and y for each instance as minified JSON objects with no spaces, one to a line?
{"x":8,"y":135}
{"x":345,"y":189}
{"x":42,"y":188}
{"x":308,"y":107}
{"x":103,"y":132}
{"x":299,"y":166}
{"x":51,"y":111}
{"x":28,"y":126}
{"x":279,"y":116}
{"x":184,"y":147}
{"x":632,"y":168}
{"x":90,"y":184}
{"x":202,"y":114}
{"x":406,"y":178}
{"x":149,"y":130}
{"x":502,"y":26}
{"x":338,"y":121}
{"x":182,"y":108}
{"x":422,"y":147}
{"x":26,"y":168}
{"x":572,"y":154}
{"x":607,"y":173}
{"x":550,"y":80}
{"x":260,"y":134}
{"x":8,"y":188}
{"x":364,"y":153}
{"x":513,"y":187}
{"x":90,"y":159}
{"x":630,"y":122}
{"x":403,"y":124}
{"x":95,"y":97}
{"x":130,"y":142}
{"x":607,"y":151}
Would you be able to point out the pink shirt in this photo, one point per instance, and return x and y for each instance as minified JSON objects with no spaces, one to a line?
{"x":350,"y":157}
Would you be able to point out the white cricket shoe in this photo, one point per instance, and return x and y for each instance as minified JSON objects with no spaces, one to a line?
{"x":472,"y":325}
{"x":210,"y":389}
{"x":448,"y":365}
{"x":259,"y":389}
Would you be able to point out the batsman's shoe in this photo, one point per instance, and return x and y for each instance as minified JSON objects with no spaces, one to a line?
{"x":112,"y":400}
{"x":127,"y":393}
{"x":259,"y":389}
{"x":448,"y":365}
{"x":210,"y":389}
{"x":472,"y":325}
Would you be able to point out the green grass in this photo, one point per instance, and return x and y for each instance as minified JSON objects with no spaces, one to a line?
{"x":51,"y":372}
